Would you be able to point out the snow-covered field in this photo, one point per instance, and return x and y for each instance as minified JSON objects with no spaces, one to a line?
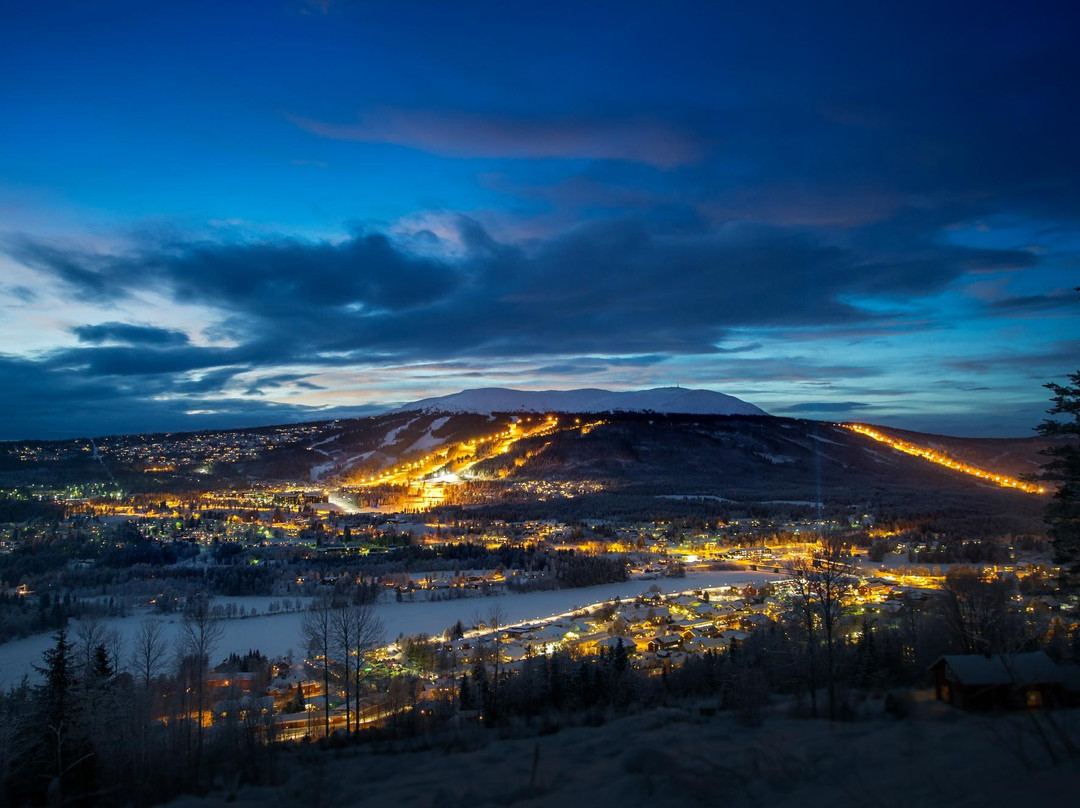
{"x":676,"y":757}
{"x":276,"y":635}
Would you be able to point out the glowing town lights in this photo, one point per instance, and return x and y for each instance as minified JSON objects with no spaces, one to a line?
{"x":941,"y":459}
{"x":428,"y":476}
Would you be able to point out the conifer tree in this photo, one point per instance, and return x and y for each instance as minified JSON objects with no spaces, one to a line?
{"x":1063,"y":469}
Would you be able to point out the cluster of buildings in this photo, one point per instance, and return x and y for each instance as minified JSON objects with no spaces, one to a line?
{"x":545,"y":490}
{"x":168,"y":451}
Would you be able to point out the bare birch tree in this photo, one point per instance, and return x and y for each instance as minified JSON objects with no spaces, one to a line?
{"x":821,"y":584}
{"x":149,"y":651}
{"x":200,"y":633}
{"x":317,"y":630}
{"x":496,"y":619}
{"x":804,"y":606}
{"x":357,"y":632}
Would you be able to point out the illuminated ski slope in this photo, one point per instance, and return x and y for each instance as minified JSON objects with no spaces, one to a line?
{"x":942,"y":459}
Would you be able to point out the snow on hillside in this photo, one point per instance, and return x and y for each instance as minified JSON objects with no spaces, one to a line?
{"x":428,"y":440}
{"x":661,"y":399}
{"x":392,"y":435}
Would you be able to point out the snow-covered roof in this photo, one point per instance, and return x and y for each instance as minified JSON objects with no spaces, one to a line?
{"x":1034,"y":667}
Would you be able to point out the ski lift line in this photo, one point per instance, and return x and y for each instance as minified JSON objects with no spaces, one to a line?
{"x":942,"y":459}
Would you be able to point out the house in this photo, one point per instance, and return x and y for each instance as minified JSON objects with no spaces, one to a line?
{"x":707,"y":645}
{"x":751,"y":621}
{"x":612,"y":642}
{"x":733,"y":635}
{"x":665,"y":642}
{"x":1002,"y":681}
{"x":244,"y":707}
{"x":237,"y":681}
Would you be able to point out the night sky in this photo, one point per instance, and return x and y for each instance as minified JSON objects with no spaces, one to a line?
{"x":230,"y":214}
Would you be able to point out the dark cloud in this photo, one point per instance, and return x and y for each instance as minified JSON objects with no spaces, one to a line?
{"x":613,"y":287}
{"x":42,"y":402}
{"x":279,"y":380}
{"x":1015,"y":420}
{"x":82,"y":271}
{"x":1036,"y":363}
{"x":822,"y":407}
{"x":912,"y":136}
{"x":285,"y":277}
{"x":982,"y":136}
{"x":1036,"y":304}
{"x":968,"y":387}
{"x":23,"y":293}
{"x":837,"y":172}
{"x":136,"y":361}
{"x":749,"y":347}
{"x":130,"y":334}
{"x":791,"y":369}
{"x":452,"y":133}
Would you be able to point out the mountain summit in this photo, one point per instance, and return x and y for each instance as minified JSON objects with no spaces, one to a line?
{"x":661,"y":399}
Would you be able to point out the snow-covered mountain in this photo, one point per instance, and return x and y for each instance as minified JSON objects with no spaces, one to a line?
{"x":660,"y":399}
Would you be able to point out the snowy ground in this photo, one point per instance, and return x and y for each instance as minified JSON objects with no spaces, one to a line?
{"x":276,"y":635}
{"x":676,"y":757}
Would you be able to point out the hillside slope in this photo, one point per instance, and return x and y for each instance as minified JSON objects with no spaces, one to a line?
{"x":676,"y":757}
{"x":659,"y":400}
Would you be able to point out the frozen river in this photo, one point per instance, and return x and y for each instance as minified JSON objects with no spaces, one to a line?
{"x":276,"y":635}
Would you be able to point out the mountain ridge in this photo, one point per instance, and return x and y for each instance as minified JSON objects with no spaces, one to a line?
{"x":675,"y":400}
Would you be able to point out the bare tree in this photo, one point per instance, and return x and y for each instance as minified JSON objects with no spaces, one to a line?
{"x":149,"y":651}
{"x":365,"y":633}
{"x":976,"y":611}
{"x":341,"y":628}
{"x":804,"y":606}
{"x":821,"y":584}
{"x":95,"y":637}
{"x":114,"y":643}
{"x":200,"y":633}
{"x":317,"y":630}
{"x":148,"y":656}
{"x":91,"y":632}
{"x":496,"y":619}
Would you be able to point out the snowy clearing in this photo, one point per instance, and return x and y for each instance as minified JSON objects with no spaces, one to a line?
{"x":391,"y":436}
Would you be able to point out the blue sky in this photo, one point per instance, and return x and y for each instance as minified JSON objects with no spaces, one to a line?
{"x":235,"y":214}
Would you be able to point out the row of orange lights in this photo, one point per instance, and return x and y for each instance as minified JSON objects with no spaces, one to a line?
{"x":944,"y":460}
{"x":510,"y":435}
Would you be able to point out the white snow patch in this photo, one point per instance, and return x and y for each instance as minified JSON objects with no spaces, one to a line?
{"x":319,"y":470}
{"x":878,"y":457}
{"x":348,"y":463}
{"x":325,"y":441}
{"x":428,"y":440}
{"x":661,"y":399}
{"x":775,"y":458}
{"x":425,"y":442}
{"x":391,"y":436}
